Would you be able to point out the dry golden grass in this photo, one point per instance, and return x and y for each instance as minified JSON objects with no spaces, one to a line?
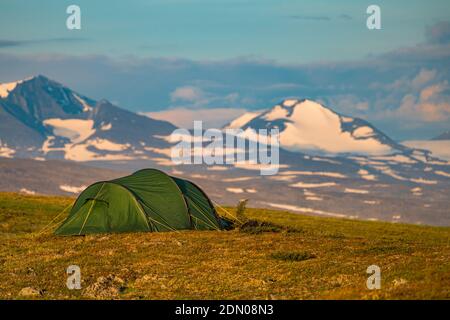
{"x":414,"y":260}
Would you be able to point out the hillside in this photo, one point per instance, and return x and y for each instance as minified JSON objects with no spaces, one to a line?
{"x":296,"y":257}
{"x":50,"y":177}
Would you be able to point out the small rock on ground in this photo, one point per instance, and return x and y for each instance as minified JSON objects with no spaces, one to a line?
{"x":107,"y":287}
{"x":30,"y":292}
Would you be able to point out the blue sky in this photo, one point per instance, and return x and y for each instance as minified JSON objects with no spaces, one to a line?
{"x":287,"y":31}
{"x":248,"y":54}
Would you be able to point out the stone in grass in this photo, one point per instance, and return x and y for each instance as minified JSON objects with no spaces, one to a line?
{"x":107,"y":287}
{"x":30,"y":292}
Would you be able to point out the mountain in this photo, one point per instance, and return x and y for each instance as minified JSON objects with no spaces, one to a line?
{"x":308,"y":126}
{"x":41,"y":118}
{"x":329,"y":164}
{"x":443,"y":136}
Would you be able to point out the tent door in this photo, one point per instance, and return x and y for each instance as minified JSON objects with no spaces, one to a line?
{"x":94,"y":215}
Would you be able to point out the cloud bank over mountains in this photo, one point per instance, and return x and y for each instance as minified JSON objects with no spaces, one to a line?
{"x":404,"y":92}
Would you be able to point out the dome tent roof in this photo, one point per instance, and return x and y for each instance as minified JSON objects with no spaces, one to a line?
{"x":149,"y":200}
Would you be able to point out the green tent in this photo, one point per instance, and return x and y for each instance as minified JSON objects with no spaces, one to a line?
{"x":148,"y":200}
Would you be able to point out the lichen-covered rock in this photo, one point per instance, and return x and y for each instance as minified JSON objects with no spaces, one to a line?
{"x":107,"y":287}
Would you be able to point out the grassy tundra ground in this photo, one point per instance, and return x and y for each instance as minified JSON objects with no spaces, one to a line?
{"x":307,"y":258}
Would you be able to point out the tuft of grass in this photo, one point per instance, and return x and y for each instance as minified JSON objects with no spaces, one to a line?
{"x":257,"y":227}
{"x":240,"y":209}
{"x":293,"y":256}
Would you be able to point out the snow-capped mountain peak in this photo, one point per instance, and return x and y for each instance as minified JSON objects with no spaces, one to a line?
{"x":41,"y":98}
{"x":7,"y":87}
{"x":42,"y":118}
{"x":242,"y":120}
{"x":306,"y":125}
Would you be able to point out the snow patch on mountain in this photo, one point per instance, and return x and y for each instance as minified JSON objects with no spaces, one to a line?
{"x":81,"y":152}
{"x":323,"y":160}
{"x":307,"y":210}
{"x":364,"y":174}
{"x":313,"y":185}
{"x":248,"y":165}
{"x":5,"y":151}
{"x":27,"y":191}
{"x":164,"y":151}
{"x":217,"y":168}
{"x":363,"y":132}
{"x":423,"y":181}
{"x":242,"y":120}
{"x":313,"y":198}
{"x":315,"y":173}
{"x":235,"y":190}
{"x":6,"y":88}
{"x":107,"y":145}
{"x":358,"y":191}
{"x":442,"y":173}
{"x":346,"y":119}
{"x":438,"y":148}
{"x":238,"y":179}
{"x":78,"y":146}
{"x":106,"y":126}
{"x":282,"y":178}
{"x":398,"y":158}
{"x":278,"y":112}
{"x":76,"y":130}
{"x":86,"y":107}
{"x":72,"y":189}
{"x":164,"y":162}
{"x":389,"y":172}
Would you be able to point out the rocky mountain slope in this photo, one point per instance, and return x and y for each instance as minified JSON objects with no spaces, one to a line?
{"x":40,"y":118}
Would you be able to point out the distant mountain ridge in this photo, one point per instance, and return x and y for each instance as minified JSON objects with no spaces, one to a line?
{"x":330,"y":164}
{"x":309,"y":126}
{"x":443,"y":136}
{"x":41,"y":118}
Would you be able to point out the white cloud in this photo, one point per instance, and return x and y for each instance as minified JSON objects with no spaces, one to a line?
{"x":432,"y":91}
{"x":423,"y":77}
{"x":430,"y":106}
{"x":194,"y":97}
{"x":187,"y":93}
{"x":423,"y":99}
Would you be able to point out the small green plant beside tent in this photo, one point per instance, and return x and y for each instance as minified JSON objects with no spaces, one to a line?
{"x":147,"y":201}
